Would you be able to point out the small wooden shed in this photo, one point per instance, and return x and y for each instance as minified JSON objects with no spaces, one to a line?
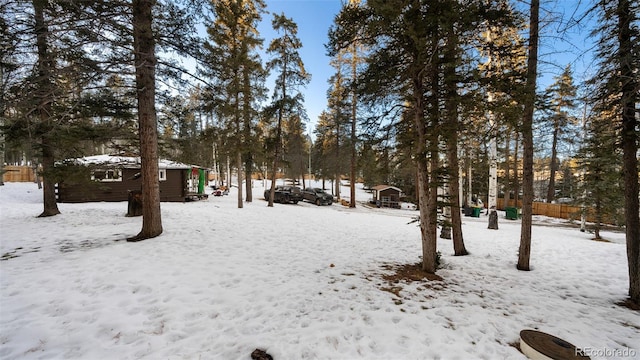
{"x":111,"y":177}
{"x":386,"y":196}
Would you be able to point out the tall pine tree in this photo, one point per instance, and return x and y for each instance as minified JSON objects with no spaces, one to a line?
{"x":618,"y":84}
{"x":290,"y":76}
{"x":237,"y":76}
{"x":562,"y":101}
{"x":600,"y":165}
{"x":524,"y":252}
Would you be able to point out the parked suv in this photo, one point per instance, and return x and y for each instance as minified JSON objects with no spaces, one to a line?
{"x":285,"y":194}
{"x":317,"y":196}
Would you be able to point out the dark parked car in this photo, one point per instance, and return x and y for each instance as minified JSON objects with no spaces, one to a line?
{"x":285,"y":194}
{"x":317,"y":196}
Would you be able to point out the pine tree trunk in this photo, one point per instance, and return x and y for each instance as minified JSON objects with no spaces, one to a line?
{"x":246,"y":114}
{"x":352,"y":175}
{"x":228,"y":174}
{"x":279,"y":132}
{"x":551,"y":190}
{"x":598,"y":222}
{"x":445,"y":230}
{"x":493,"y":179}
{"x":629,"y":145}
{"x":432,"y":138}
{"x":2,"y":145}
{"x":516,"y":177}
{"x":429,"y":242}
{"x":456,"y":218}
{"x":44,"y":94}
{"x":524,"y":252}
{"x":507,"y":173}
{"x":276,"y":155}
{"x":37,"y":175}
{"x":428,"y":253}
{"x":239,"y":171}
{"x":237,"y":115}
{"x":432,"y":210}
{"x":337,"y":174}
{"x":272,"y":189}
{"x":145,"y":63}
{"x":248,"y":165}
{"x":452,"y":102}
{"x":469,"y":178}
{"x":48,"y":184}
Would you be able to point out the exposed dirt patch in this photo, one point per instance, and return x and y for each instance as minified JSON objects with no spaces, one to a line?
{"x":396,"y":276}
{"x":408,"y":273}
{"x":395,"y":290}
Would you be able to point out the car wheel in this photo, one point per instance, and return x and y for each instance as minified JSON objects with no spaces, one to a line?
{"x":284,"y":200}
{"x":318,"y":202}
{"x":295,"y":201}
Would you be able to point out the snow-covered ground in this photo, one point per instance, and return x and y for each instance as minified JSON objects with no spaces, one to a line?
{"x":299,"y":281}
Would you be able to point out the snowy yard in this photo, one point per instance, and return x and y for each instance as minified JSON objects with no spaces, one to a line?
{"x":299,"y":281}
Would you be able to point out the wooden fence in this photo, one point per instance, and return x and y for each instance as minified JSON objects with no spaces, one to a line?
{"x":560,"y":211}
{"x":13,"y":173}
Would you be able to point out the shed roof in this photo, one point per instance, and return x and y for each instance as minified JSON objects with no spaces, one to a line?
{"x":127,"y":162}
{"x":384,"y":187}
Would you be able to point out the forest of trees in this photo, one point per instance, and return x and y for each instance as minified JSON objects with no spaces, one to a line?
{"x":426,"y":95}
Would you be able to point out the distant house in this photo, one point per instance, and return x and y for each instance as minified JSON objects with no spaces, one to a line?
{"x":110,"y":178}
{"x":386,"y":196}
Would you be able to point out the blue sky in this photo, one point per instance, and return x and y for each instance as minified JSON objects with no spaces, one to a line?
{"x":562,"y":44}
{"x":313,"y":17}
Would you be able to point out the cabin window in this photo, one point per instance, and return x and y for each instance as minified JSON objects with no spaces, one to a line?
{"x":162,"y":175}
{"x":106,"y":175}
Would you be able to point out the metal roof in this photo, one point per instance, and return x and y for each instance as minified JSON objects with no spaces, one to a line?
{"x":127,"y":162}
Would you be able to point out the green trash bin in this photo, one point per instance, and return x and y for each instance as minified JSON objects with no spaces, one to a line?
{"x":512,"y":213}
{"x":476,"y":212}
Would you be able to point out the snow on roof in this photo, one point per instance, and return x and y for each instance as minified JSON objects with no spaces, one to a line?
{"x":128,"y":162}
{"x":384,"y":187}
